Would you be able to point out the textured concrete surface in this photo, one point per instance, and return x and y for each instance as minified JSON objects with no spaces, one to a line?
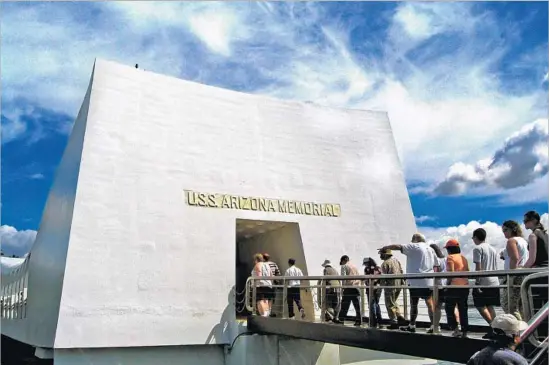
{"x":121,"y":260}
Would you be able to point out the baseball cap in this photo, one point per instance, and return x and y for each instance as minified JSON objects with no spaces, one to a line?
{"x":452,"y":243}
{"x":509,"y":324}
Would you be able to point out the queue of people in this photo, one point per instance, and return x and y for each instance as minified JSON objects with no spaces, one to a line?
{"x":518,"y":253}
{"x":424,"y":258}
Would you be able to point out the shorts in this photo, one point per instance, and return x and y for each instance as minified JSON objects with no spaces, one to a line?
{"x":264,"y":293}
{"x":486,"y":297}
{"x":421,"y":293}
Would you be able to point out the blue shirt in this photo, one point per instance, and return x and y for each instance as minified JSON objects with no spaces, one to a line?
{"x":495,"y":355}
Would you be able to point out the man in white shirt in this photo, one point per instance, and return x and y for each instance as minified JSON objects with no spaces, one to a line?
{"x":485,"y":258}
{"x":420,"y":259}
{"x":294,"y":294}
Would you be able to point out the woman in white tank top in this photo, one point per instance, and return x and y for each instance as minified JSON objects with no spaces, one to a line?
{"x":263,"y":287}
{"x":516,"y":255}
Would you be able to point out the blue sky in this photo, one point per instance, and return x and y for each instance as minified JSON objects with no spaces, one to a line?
{"x":465,"y":85}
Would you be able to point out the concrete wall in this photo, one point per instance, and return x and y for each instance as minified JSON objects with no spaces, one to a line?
{"x":176,"y":355}
{"x":49,"y":251}
{"x":145,"y":269}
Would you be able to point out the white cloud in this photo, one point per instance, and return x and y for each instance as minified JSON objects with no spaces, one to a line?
{"x":444,"y":104}
{"x":14,"y":242}
{"x":37,"y":176}
{"x":521,"y":160}
{"x":464,"y":232}
{"x":424,"y":218}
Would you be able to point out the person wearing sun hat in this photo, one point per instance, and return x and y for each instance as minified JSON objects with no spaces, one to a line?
{"x":333,"y":289}
{"x":501,"y":350}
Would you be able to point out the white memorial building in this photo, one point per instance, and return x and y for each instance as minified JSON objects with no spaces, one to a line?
{"x":165,"y":191}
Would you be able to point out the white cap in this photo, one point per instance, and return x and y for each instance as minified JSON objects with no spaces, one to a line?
{"x":509,"y":324}
{"x":326,"y":263}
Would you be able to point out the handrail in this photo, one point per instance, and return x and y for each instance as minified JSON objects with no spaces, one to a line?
{"x":540,"y":316}
{"x":13,"y":295}
{"x":533,"y":324}
{"x":453,"y":274}
{"x":251,"y":283}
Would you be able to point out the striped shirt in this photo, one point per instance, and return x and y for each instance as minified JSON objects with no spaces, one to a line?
{"x":273,"y":267}
{"x":293,"y":271}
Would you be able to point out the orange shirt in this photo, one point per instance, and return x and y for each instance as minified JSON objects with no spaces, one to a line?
{"x":457,"y":262}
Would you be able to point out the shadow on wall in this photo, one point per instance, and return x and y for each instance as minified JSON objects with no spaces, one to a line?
{"x":301,"y":352}
{"x":353,"y":355}
{"x":227,"y":329}
{"x":282,"y":243}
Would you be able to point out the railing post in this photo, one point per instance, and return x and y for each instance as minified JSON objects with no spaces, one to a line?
{"x":436,"y":318}
{"x":405,"y":303}
{"x":371,"y":313}
{"x":509,"y":288}
{"x":285,"y":298}
{"x":322,"y":300}
{"x":254,"y":297}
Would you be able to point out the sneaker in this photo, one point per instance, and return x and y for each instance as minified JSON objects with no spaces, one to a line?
{"x":488,"y":336}
{"x":302,"y":311}
{"x":337,"y":321}
{"x":408,"y":328}
{"x":456,"y":333}
{"x":357,"y":324}
{"x":393,"y":326}
{"x":433,"y":331}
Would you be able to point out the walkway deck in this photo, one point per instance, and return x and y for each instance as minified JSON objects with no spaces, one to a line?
{"x":420,"y":344}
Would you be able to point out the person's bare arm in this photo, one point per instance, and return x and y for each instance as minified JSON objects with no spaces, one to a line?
{"x":532,"y":250}
{"x":257,"y":269}
{"x":512,"y":252}
{"x":392,"y":247}
{"x":449,"y":268}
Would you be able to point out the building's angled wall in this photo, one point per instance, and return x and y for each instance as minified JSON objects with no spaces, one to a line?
{"x":174,"y":355}
{"x":144,"y":268}
{"x":49,"y":251}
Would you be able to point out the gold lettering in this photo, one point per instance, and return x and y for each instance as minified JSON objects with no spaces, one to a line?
{"x":316,"y":209}
{"x":283,"y":206}
{"x":191,"y":198}
{"x":211,"y":201}
{"x":256,"y":205}
{"x":228,"y":201}
{"x":235,"y":202}
{"x":262,"y":205}
{"x":202,"y":200}
{"x":291,"y":207}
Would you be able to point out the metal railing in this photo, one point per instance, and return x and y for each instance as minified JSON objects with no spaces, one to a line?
{"x":319,"y":309}
{"x":536,"y":318}
{"x":13,"y":295}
